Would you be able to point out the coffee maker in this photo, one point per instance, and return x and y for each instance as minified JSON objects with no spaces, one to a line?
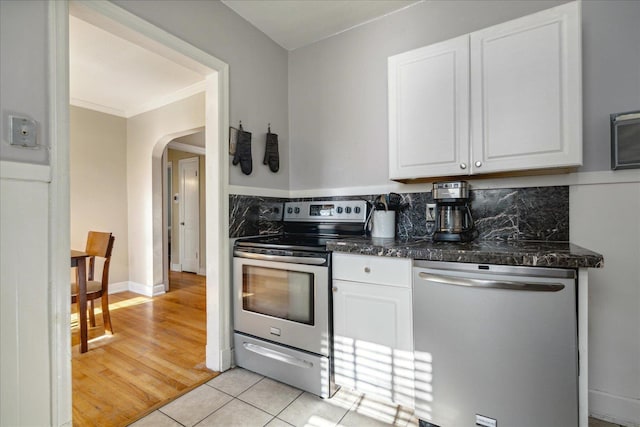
{"x":453,"y":215}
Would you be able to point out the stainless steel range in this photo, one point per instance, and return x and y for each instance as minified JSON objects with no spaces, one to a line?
{"x":282,"y":294}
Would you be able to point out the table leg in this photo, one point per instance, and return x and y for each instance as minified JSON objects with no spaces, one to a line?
{"x":82,"y":304}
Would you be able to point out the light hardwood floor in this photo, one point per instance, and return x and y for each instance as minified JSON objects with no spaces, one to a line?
{"x":156,"y":354}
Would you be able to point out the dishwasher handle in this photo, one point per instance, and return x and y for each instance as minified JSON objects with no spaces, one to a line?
{"x":491,"y":284}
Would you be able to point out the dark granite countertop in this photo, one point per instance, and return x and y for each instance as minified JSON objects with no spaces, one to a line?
{"x":524,"y":253}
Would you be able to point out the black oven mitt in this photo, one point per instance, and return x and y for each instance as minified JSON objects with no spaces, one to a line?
{"x":271,"y":156}
{"x":243,"y":152}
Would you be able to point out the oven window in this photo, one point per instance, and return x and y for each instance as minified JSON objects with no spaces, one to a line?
{"x":278,"y":293}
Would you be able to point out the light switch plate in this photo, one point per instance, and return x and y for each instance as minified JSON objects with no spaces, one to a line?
{"x":23,"y":131}
{"x":431,"y":212}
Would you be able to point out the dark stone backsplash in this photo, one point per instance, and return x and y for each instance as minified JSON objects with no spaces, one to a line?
{"x":248,"y":216}
{"x":508,"y":214}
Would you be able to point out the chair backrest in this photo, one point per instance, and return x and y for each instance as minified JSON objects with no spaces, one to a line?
{"x":99,"y":244}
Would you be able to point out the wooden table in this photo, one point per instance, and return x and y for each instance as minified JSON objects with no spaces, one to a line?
{"x":79,"y":260}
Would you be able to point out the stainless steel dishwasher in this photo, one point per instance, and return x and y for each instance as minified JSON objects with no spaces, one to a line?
{"x":495,"y":345}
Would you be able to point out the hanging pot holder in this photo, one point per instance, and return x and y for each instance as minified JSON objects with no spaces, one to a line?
{"x":243,"y":151}
{"x":271,"y":155}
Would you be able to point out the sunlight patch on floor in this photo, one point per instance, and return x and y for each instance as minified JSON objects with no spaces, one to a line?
{"x":114,"y":306}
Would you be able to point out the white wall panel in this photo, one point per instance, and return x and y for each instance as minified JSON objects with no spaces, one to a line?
{"x":24,"y":296}
{"x":604,"y":218}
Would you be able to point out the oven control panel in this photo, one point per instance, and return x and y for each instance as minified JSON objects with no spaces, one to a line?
{"x":326,"y":211}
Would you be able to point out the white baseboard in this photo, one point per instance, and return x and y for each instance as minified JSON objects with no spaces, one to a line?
{"x":176,"y":267}
{"x":158,"y":289}
{"x":149,"y":291}
{"x":138,"y":288}
{"x":221,"y":361}
{"x":225,"y":359}
{"x":615,"y":409}
{"x":202,"y":271}
{"x":114,"y":288}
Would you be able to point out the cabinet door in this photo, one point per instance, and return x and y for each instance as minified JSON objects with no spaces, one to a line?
{"x":429,"y":111}
{"x":526,"y":93}
{"x":373,"y":342}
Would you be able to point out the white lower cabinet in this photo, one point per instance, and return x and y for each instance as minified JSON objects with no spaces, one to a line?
{"x":373,"y":339}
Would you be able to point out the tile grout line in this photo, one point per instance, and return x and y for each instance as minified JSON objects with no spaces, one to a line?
{"x":260,"y":409}
{"x":168,"y":416}
{"x":358,"y":400}
{"x":290,"y":403}
{"x":212,"y":386}
{"x":352,"y":408}
{"x":222,"y":406}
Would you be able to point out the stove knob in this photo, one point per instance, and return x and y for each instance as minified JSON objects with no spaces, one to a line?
{"x":276,"y":210}
{"x":297,"y":210}
{"x":289,"y":210}
{"x":356,"y":209}
{"x":339,"y":209}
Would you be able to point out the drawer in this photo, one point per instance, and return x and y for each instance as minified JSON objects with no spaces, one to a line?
{"x":372,"y":269}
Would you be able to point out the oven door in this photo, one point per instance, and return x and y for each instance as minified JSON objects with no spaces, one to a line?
{"x":287,"y":303}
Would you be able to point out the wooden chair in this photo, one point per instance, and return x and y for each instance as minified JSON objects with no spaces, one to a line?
{"x":99,"y":244}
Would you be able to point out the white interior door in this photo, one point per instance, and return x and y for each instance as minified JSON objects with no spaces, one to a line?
{"x":189,"y":214}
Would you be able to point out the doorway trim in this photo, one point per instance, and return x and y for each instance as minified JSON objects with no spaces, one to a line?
{"x":167,"y":217}
{"x":218,"y":351}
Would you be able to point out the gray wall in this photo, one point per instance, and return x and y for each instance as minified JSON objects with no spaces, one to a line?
{"x":338,"y":86}
{"x":610,"y":72}
{"x":26,"y":365}
{"x":23,"y":78}
{"x":257,"y":67}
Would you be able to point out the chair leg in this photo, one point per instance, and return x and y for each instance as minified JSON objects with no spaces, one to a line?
{"x":106,"y":317}
{"x":92,"y":315}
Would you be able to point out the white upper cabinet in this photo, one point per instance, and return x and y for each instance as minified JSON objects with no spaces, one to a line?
{"x":526,"y":103}
{"x":429,"y":110}
{"x":505,"y":98}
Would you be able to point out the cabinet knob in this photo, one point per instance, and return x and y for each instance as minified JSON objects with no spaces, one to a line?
{"x":463,"y":165}
{"x":334,"y":289}
{"x":478,"y":163}
{"x":367,"y":270}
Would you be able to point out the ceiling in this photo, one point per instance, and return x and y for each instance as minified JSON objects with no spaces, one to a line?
{"x":117,"y":75}
{"x":296,"y":23}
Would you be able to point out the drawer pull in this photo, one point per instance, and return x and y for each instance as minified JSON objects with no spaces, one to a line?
{"x":367,"y":270}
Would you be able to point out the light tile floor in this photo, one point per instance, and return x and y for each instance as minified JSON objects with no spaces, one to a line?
{"x":243,"y":398}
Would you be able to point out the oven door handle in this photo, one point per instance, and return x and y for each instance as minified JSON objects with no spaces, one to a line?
{"x":281,"y":258}
{"x":276,"y":355}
